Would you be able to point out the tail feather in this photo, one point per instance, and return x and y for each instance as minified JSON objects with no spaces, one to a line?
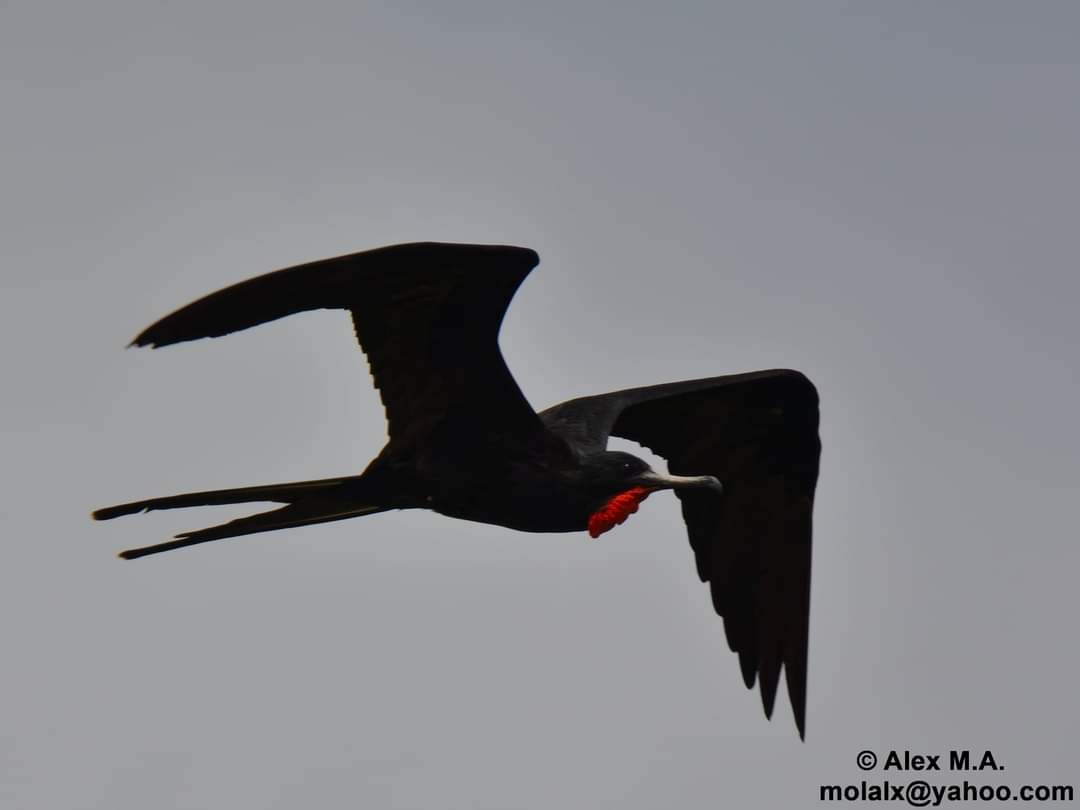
{"x":307,"y":502}
{"x":279,"y":493}
{"x":304,"y":513}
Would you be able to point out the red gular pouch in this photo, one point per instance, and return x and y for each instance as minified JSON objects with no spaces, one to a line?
{"x":616,"y":510}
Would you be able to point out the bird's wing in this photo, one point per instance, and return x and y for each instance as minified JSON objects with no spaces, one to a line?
{"x":757,"y":433}
{"x":426,"y":314}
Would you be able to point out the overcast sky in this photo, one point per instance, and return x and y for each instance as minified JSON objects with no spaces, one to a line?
{"x":882,"y":195}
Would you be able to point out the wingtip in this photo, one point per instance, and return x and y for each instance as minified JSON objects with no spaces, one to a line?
{"x":800,"y":724}
{"x":532,"y":256}
{"x":748,"y":665}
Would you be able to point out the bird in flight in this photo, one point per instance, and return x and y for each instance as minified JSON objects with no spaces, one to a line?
{"x":742,"y":449}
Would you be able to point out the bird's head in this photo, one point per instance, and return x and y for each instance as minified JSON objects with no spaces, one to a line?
{"x":614,"y":471}
{"x":620,"y":481}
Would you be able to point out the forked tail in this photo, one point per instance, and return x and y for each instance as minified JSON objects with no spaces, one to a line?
{"x":307,"y":502}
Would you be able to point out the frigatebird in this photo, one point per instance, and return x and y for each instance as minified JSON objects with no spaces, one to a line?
{"x":742,"y":449}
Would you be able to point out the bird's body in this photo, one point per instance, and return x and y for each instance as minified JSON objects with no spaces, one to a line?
{"x":464,"y":442}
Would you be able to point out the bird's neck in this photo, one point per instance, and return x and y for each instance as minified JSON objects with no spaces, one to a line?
{"x":616,"y":510}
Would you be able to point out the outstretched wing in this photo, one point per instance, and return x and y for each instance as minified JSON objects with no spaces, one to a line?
{"x":757,"y":433}
{"x":426,"y":314}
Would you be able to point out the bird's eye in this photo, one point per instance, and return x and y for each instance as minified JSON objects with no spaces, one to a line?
{"x":627,"y":466}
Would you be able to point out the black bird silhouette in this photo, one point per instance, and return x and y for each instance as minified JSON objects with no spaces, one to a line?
{"x":743,"y":449}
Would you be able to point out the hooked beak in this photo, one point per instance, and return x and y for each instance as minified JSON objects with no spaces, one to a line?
{"x":655,"y":480}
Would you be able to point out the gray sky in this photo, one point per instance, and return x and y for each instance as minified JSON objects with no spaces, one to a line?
{"x":882,"y":195}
